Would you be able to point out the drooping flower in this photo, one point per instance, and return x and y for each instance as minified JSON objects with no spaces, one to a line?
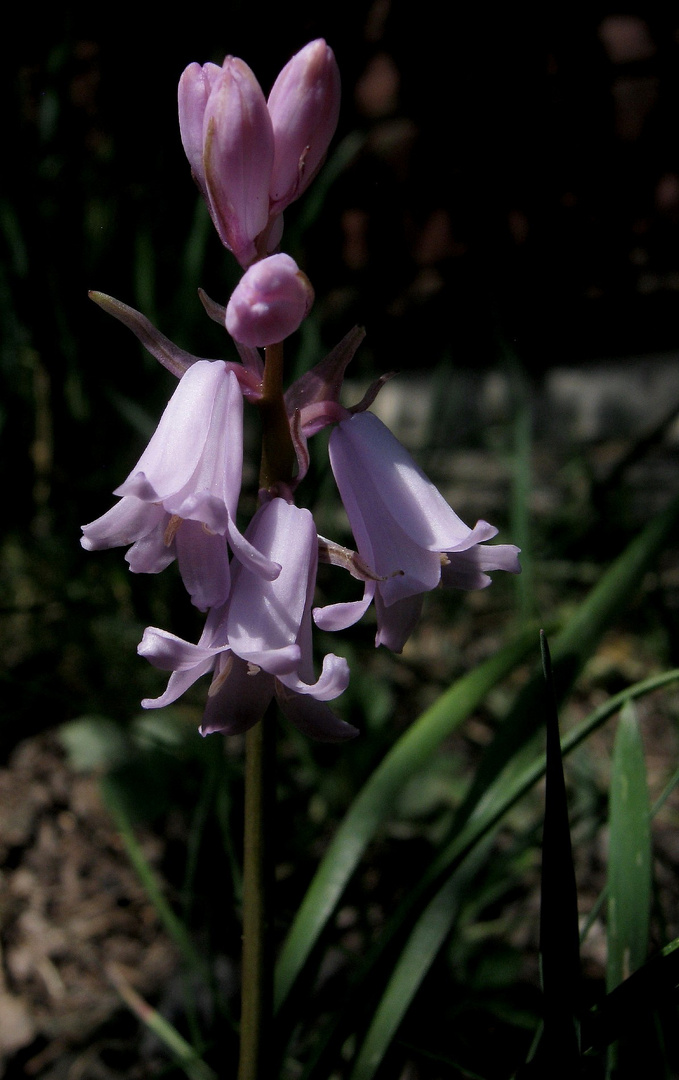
{"x":304,"y":106}
{"x":269,"y":302}
{"x":228,"y":139}
{"x":180,"y":500}
{"x":404,"y":530}
{"x":258,"y":644}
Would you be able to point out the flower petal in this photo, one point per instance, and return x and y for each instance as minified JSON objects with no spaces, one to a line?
{"x":332,"y":682}
{"x":196,"y":450}
{"x":238,"y":148}
{"x":203,"y":564}
{"x":396,"y":623}
{"x":240,"y":699}
{"x":403,"y":490}
{"x":469,"y":569}
{"x":341,"y":616}
{"x":123,"y":524}
{"x":312,"y":717}
{"x":265,"y":616}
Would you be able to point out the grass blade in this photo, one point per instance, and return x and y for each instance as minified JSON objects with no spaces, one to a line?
{"x":645,"y":990}
{"x":182,"y":1051}
{"x":500,"y":798}
{"x":428,"y":935}
{"x":629,"y":858}
{"x":559,"y":938}
{"x":426,"y":940}
{"x":629,"y":880}
{"x":173,"y":925}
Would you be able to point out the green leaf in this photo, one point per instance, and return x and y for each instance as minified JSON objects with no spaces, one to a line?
{"x":644,"y":990}
{"x":373,"y":804}
{"x":415,"y":747}
{"x":94,"y":743}
{"x":414,"y":962}
{"x":469,"y":844}
{"x":629,"y":858}
{"x":425,"y":941}
{"x":559,"y":937}
{"x":184,"y":1054}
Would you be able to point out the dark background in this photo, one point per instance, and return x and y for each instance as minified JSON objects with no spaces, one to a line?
{"x":502,"y":179}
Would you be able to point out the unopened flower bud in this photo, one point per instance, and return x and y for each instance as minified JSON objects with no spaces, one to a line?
{"x":228,"y":138}
{"x":195,"y":85}
{"x":304,"y":106}
{"x":269,"y":302}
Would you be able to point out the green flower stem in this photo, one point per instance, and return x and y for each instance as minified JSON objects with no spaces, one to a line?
{"x":257,"y":966}
{"x":278,"y":452}
{"x":277,"y":466}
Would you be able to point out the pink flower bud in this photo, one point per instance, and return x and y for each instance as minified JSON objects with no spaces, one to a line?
{"x":269,"y":302}
{"x":194,"y":90}
{"x":228,"y":138}
{"x":304,"y":107}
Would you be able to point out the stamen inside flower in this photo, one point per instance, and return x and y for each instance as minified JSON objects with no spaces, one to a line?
{"x":171,"y":529}
{"x":221,"y":676}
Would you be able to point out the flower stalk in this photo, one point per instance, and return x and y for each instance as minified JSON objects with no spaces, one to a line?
{"x":257,"y":958}
{"x":251,"y":158}
{"x":278,"y":453}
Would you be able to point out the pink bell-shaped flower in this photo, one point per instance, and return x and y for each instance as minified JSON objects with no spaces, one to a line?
{"x":180,"y":500}
{"x":259,"y":643}
{"x":404,"y":530}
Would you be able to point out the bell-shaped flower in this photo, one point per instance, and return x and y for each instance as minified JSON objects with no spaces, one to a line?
{"x":269,"y":302}
{"x":258,"y":644}
{"x":404,"y":530}
{"x":228,"y":139}
{"x":304,"y":107}
{"x":180,"y":500}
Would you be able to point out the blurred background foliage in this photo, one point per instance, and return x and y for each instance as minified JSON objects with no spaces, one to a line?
{"x":498,"y":184}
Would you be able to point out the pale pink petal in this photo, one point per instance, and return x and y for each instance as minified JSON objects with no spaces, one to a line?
{"x":404,"y":491}
{"x":127,"y":521}
{"x":340,"y":616}
{"x":304,"y":106}
{"x":469,"y":569}
{"x":407,"y":566}
{"x":269,"y":302}
{"x":178,"y":683}
{"x":265,"y":616}
{"x":238,"y":699}
{"x":196,"y":448}
{"x":313,"y":718}
{"x":238,"y":148}
{"x":203,"y":563}
{"x":396,"y":623}
{"x":332,"y":682}
{"x":171,"y":653}
{"x":195,"y":85}
{"x":151,"y":553}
